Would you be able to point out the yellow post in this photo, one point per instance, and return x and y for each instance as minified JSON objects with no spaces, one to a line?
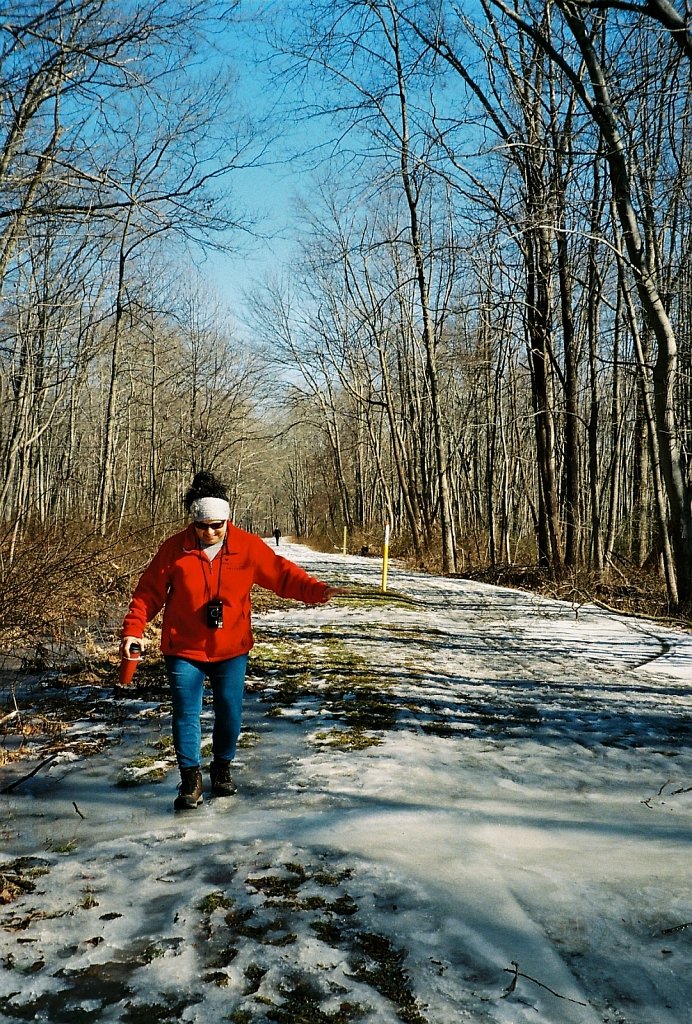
{"x":385,"y":558}
{"x":345,"y":535}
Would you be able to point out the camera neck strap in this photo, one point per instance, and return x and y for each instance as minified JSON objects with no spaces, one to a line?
{"x":208,"y":568}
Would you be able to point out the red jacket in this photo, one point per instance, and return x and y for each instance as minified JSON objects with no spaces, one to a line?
{"x":181,"y":578}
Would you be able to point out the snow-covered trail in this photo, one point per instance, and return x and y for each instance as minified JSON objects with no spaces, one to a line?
{"x":526,"y":804}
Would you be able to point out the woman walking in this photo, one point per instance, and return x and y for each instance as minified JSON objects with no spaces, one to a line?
{"x":202,"y":577}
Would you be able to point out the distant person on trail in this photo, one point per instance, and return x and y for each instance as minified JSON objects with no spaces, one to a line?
{"x":277,"y":535}
{"x":202,"y":577}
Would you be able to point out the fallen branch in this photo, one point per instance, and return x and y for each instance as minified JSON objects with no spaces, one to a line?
{"x":392,"y":596}
{"x":370,"y":593}
{"x":668,"y":620}
{"x":514,"y":970}
{"x":619,"y":571}
{"x":676,"y":928}
{"x":78,"y":811}
{"x":13,"y":785}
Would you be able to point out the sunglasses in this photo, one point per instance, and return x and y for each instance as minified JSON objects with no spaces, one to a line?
{"x":210,"y":526}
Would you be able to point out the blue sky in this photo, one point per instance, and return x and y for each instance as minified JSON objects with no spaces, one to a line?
{"x":266,"y":191}
{"x":270,"y":190}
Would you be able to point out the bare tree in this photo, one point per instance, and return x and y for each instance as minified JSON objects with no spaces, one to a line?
{"x":599,"y":102}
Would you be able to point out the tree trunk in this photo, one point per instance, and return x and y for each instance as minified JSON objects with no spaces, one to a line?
{"x":107,"y":476}
{"x":678,"y":489}
{"x":428,"y":332}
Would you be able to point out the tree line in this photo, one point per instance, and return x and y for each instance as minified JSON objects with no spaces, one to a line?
{"x":492,"y":313}
{"x":483,"y":337}
{"x":119,"y":375}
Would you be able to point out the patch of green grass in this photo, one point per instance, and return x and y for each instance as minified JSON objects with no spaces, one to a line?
{"x":248,"y":739}
{"x":240,"y":1017}
{"x":437,"y":727}
{"x":341,"y":684}
{"x":155,"y":775}
{"x":297,"y":869}
{"x":144,"y":769}
{"x":214,"y":901}
{"x":89,"y":901}
{"x":284,"y":657}
{"x":308,"y":903}
{"x":65,"y":846}
{"x":275,"y":886}
{"x":288,"y":939}
{"x":142,"y":762}
{"x":332,"y":878}
{"x":217,"y":978}
{"x":276,"y":712}
{"x":348,"y":739}
{"x":239,"y":923}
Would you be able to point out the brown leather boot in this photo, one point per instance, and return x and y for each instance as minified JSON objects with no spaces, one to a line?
{"x":222,"y":783}
{"x":189,"y":790}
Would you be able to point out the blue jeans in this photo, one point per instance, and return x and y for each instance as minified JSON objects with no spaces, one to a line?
{"x":186,"y":679}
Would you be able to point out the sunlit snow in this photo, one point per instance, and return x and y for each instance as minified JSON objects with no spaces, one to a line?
{"x":513,"y":847}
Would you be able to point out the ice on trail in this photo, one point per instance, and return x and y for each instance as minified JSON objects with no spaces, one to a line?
{"x":473,"y":807}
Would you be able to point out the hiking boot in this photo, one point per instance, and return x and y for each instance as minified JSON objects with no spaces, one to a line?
{"x":222,"y":783}
{"x":189,"y":790}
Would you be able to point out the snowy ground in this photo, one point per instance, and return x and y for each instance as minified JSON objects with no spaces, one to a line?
{"x":472,"y":808}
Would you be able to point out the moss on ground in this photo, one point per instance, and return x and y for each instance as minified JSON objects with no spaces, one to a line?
{"x":342,"y":686}
{"x":347,"y":739}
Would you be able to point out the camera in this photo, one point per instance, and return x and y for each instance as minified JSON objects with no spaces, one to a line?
{"x":215,"y":614}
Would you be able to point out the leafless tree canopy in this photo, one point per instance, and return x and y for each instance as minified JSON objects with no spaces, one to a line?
{"x":483,"y":337}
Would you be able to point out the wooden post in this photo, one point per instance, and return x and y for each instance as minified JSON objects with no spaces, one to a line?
{"x":385,"y":558}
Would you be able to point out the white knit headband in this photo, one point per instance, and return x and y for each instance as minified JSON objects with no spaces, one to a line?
{"x":210,"y":508}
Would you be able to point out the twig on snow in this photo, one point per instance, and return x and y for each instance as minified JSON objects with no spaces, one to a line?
{"x":24,"y":778}
{"x":78,"y":811}
{"x":514,"y":970}
{"x":673,"y":792}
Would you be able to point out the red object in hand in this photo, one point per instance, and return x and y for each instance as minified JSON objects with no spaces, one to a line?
{"x":128,"y":666}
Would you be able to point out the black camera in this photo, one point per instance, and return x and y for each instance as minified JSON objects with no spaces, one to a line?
{"x":215,"y":614}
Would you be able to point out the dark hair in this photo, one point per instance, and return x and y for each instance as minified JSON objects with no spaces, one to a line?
{"x":205,"y":485}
